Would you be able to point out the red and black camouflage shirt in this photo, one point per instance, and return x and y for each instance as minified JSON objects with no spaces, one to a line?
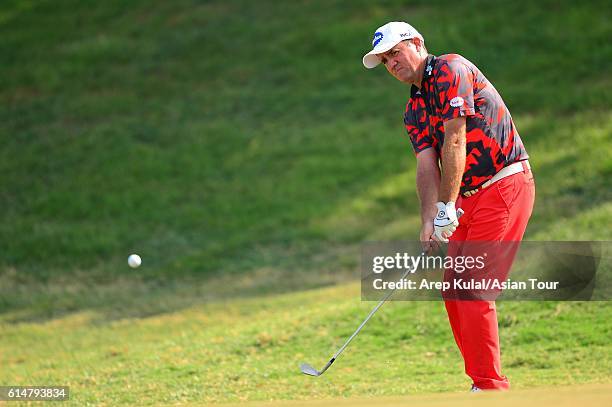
{"x":452,"y":87}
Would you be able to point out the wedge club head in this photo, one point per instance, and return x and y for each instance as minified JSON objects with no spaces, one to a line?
{"x":309,"y":370}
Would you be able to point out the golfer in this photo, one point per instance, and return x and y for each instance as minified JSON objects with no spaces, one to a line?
{"x":470,"y":156}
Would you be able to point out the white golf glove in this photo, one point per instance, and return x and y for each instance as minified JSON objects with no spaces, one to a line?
{"x":445,"y":221}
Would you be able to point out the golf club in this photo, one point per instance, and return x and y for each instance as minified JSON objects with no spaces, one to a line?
{"x":311,"y":371}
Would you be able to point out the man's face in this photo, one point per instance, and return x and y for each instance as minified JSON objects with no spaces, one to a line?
{"x":402,"y":61}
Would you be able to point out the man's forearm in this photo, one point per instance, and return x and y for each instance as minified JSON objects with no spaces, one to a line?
{"x":453,"y":159}
{"x":428,"y":184}
{"x":427,"y":187}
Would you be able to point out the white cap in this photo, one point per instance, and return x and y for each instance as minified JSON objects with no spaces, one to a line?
{"x":386,"y":37}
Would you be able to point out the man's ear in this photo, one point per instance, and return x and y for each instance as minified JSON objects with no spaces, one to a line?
{"x":418,"y":44}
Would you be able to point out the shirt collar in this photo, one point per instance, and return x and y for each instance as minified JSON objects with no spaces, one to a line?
{"x":427,"y":73}
{"x":429,"y":66}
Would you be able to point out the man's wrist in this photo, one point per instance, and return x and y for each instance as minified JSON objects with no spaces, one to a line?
{"x":449,"y":205}
{"x":428,"y":213}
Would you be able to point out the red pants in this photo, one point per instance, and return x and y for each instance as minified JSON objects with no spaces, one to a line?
{"x":496,"y":214}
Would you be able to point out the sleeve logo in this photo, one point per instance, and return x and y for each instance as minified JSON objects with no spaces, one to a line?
{"x":456,"y":101}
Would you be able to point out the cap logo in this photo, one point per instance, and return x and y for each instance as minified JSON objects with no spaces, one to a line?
{"x":378,"y":36}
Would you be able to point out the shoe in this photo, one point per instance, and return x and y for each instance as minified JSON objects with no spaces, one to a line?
{"x":475,"y":389}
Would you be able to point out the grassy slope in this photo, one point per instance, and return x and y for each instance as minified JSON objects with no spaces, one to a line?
{"x":269,"y":156}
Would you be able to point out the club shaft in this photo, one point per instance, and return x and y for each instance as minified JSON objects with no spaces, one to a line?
{"x":385,"y":298}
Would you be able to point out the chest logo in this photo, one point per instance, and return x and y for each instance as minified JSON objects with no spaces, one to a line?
{"x":456,"y":101}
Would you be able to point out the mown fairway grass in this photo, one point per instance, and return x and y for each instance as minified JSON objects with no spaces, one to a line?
{"x":243,"y":151}
{"x":251,"y":349}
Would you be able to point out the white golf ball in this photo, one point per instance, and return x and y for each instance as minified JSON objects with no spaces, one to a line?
{"x":134,"y":260}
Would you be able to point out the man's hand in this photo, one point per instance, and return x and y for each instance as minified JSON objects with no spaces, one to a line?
{"x":427,"y":243}
{"x":445,"y":221}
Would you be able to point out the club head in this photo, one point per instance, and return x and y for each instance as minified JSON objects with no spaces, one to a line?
{"x":309,"y":370}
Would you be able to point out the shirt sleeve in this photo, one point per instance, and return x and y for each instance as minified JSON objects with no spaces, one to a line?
{"x":415,"y":121}
{"x":454,"y":90}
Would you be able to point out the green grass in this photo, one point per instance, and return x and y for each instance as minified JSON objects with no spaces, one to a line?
{"x":250,"y":350}
{"x":246,"y":156}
